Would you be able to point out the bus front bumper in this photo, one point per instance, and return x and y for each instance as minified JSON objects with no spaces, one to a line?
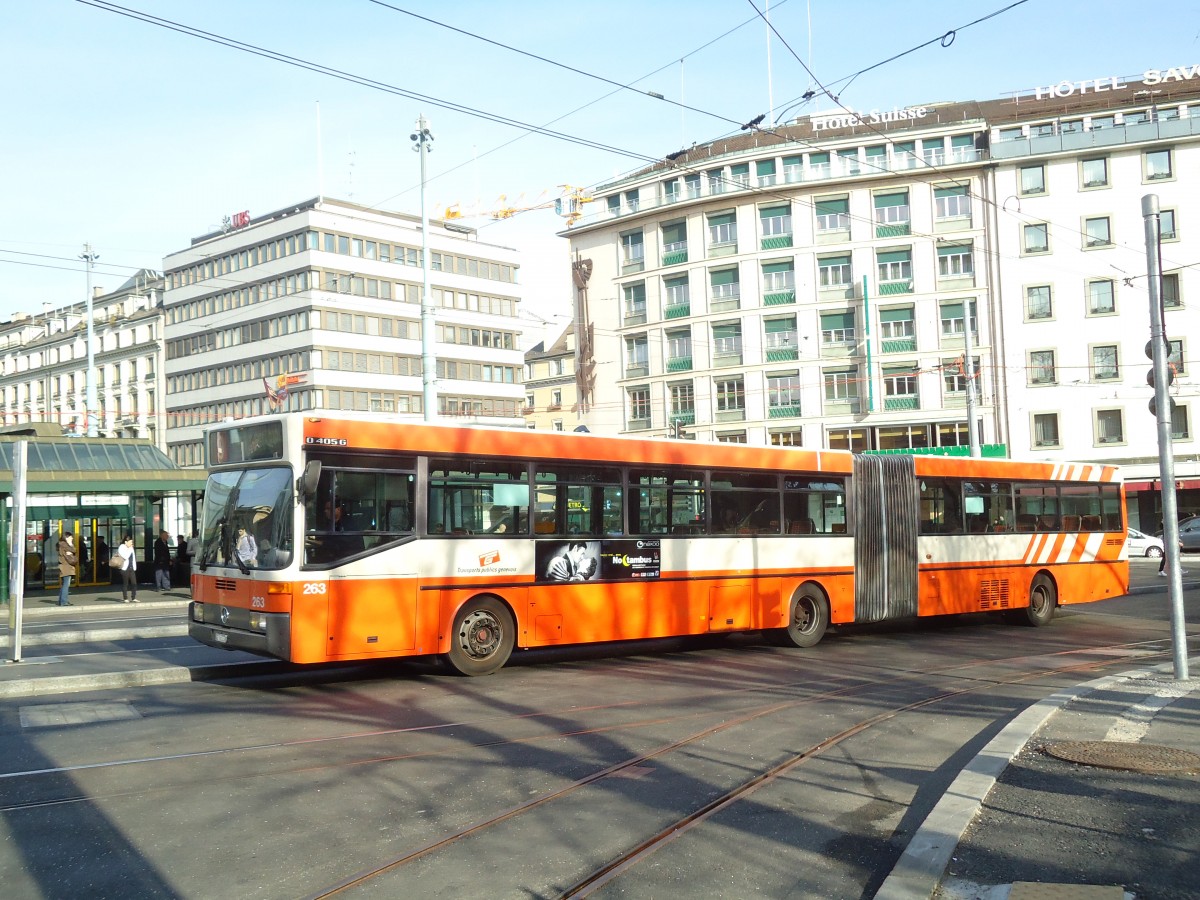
{"x":272,"y":638}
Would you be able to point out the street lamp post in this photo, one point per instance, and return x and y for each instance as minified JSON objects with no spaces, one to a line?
{"x":91,"y":407}
{"x":422,"y":140}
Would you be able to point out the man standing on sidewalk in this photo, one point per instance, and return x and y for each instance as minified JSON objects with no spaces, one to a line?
{"x":162,"y":562}
{"x":66,"y":567}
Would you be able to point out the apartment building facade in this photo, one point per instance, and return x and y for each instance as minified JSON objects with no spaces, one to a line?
{"x":44,"y":364}
{"x":813,"y":284}
{"x":318,"y":306}
{"x":551,"y":395}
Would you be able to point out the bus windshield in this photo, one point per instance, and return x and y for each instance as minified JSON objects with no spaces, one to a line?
{"x":248,"y":519}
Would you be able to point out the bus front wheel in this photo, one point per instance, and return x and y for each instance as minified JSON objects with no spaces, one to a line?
{"x":482,"y":638}
{"x":1043,"y":597}
{"x":807,"y":621}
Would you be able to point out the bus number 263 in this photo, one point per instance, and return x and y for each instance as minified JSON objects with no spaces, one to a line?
{"x":314,"y":587}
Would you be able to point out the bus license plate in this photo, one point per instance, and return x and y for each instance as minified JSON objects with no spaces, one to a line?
{"x":220,"y":637}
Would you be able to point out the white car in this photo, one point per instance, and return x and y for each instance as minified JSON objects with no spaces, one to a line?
{"x":1144,"y":544}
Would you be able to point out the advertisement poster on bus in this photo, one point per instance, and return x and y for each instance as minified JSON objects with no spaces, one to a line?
{"x":580,"y":560}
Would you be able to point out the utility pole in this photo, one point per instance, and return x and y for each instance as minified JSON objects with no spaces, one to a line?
{"x":91,"y":408}
{"x":422,"y":143}
{"x":969,"y":375}
{"x":1160,"y":406}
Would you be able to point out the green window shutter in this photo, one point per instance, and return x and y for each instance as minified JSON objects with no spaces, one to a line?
{"x":891,"y":256}
{"x":777,"y":326}
{"x":722,"y":219}
{"x":765,"y":167}
{"x":832,"y":207}
{"x":952,"y":310}
{"x":898,"y":199}
{"x":834,"y":260}
{"x":904,"y":147}
{"x":723,"y":276}
{"x":792,"y":161}
{"x":675,"y":233}
{"x":942,"y":193}
{"x":818,"y":159}
{"x":873,"y":152}
{"x":679,"y":281}
{"x":953,"y":249}
{"x":837,"y":320}
{"x":962,"y":140}
{"x":740,"y":169}
{"x":903,"y":314}
{"x":771,"y":212}
{"x":726,"y":331}
{"x":769,"y":268}
{"x":909,"y":369}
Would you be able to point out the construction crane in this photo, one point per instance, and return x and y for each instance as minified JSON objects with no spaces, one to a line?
{"x":569,"y":205}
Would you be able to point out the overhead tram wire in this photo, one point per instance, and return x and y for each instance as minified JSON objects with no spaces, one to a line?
{"x":363,"y":81}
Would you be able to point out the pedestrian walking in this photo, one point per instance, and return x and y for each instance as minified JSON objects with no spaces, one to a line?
{"x":128,"y":569}
{"x":66,"y":567}
{"x":183,"y":562}
{"x":162,"y":562}
{"x":1162,"y":563}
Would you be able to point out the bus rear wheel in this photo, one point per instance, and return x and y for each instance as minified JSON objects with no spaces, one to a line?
{"x":807,"y":621}
{"x":483,"y":637}
{"x":1043,"y":597}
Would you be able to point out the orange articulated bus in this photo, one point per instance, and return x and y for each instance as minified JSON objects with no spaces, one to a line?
{"x":337,"y":538}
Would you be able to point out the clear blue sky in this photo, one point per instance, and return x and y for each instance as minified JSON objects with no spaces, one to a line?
{"x":138,"y":138}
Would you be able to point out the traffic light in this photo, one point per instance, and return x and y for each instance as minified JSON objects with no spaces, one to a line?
{"x":1152,"y":381}
{"x":677,"y":431}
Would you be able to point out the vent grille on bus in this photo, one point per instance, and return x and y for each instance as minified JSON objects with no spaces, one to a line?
{"x":226,"y":584}
{"x":993,"y":594}
{"x":1114,"y":542}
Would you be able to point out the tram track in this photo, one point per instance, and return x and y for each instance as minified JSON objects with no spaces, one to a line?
{"x":650,"y":845}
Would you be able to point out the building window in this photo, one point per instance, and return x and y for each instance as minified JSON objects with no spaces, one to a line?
{"x":731,"y":394}
{"x":855,"y":439}
{"x":791,"y":438}
{"x":895,"y":267}
{"x":725,"y":284}
{"x":1097,"y":232}
{"x":1157,"y":165}
{"x":633,"y":251}
{"x":951,"y":313}
{"x":1041,"y":367}
{"x":1045,"y":430}
{"x":1166,"y":225}
{"x":679,"y":349}
{"x":676,"y":290}
{"x":1175,"y":356}
{"x":556,"y":399}
{"x":837,"y":328}
{"x":1035,"y":238}
{"x":1104,"y":363}
{"x":899,"y":381}
{"x":779,"y":338}
{"x":1093,"y":173}
{"x":674,"y":243}
{"x":727,"y":343}
{"x":557,"y":424}
{"x":1101,"y":298}
{"x":1179,"y":423}
{"x":776,"y":220}
{"x":722,"y":229}
{"x":683,"y":401}
{"x":896,"y":323}
{"x":639,"y":404}
{"x":529,"y":401}
{"x":783,"y":393}
{"x":637,"y":356}
{"x":834,"y":272}
{"x":1033,"y":180}
{"x":777,"y":277}
{"x":1170,"y":290}
{"x":1038,"y":304}
{"x":955,"y":261}
{"x":954,"y":376}
{"x":892,"y":214}
{"x":952,"y":202}
{"x":635,"y":302}
{"x":833,"y":214}
{"x":841,"y":385}
{"x":1110,"y":428}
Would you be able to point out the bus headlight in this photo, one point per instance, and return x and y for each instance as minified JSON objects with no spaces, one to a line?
{"x":197,"y":612}
{"x":258,"y":622}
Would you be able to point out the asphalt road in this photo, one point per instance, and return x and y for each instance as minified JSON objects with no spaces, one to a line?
{"x":797,"y":773}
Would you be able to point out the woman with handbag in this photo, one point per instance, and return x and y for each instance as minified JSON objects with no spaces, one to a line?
{"x":126,"y":558}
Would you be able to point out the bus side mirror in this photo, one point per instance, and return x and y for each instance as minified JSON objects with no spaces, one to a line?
{"x":307,"y":483}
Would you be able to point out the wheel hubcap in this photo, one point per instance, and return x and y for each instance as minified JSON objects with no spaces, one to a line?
{"x":804,"y":615}
{"x":480,"y":634}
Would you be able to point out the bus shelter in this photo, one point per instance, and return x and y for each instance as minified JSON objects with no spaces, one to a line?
{"x":100,"y":489}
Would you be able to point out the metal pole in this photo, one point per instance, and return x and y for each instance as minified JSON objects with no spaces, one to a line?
{"x":1161,"y":407}
{"x":969,"y":374}
{"x":91,"y":407}
{"x":422,"y":139}
{"x":867,"y":342}
{"x":16,"y":584}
